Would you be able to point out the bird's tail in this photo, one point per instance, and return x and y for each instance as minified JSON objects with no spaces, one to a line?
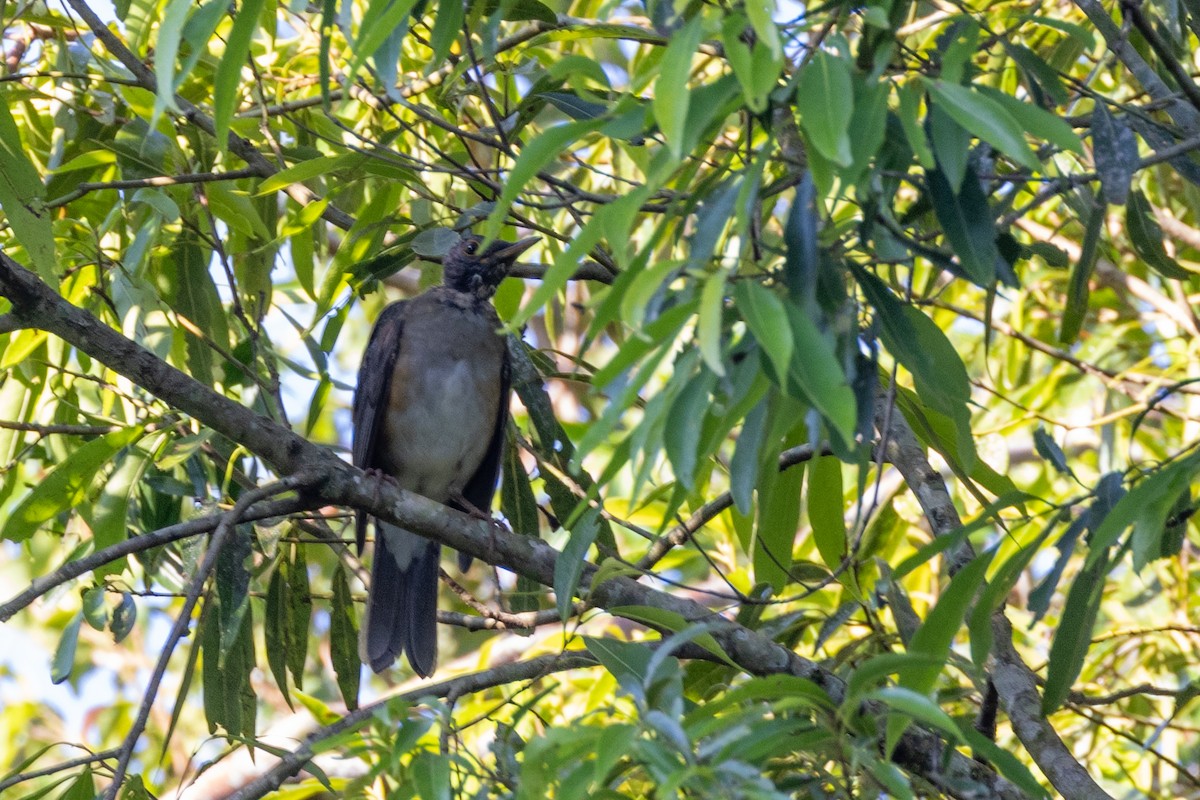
{"x":401,"y":614}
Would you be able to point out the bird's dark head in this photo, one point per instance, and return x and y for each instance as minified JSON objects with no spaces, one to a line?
{"x":476,"y":270}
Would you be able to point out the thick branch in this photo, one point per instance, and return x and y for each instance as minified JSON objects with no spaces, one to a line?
{"x":1185,"y":115}
{"x":336,"y":482}
{"x":1014,"y":680}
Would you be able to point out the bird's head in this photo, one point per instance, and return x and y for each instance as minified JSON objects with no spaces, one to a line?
{"x":476,"y":270}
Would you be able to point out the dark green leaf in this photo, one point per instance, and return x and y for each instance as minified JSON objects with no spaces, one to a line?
{"x":299,"y":613}
{"x":1147,"y":238}
{"x":275,"y":630}
{"x":574,"y":106}
{"x":1038,"y":72}
{"x":800,"y":236}
{"x":343,"y":639}
{"x":519,"y":506}
{"x":569,"y":567}
{"x":825,"y":98}
{"x":123,"y":618}
{"x":1115,"y":153}
{"x":968,"y":224}
{"x":1048,"y":449}
{"x":1079,"y":290}
{"x":682,"y":434}
{"x":1074,"y":634}
{"x":743,"y":468}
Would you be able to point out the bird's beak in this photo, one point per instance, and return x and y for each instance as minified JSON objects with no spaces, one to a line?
{"x":507,"y":252}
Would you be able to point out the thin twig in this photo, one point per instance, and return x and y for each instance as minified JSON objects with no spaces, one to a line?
{"x":228,"y":523}
{"x":138,"y":544}
{"x":62,"y":766}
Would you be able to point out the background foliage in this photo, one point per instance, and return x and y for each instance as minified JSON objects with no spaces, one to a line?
{"x":789,"y":252}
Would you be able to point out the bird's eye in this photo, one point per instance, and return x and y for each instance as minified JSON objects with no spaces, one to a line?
{"x":472,"y":246}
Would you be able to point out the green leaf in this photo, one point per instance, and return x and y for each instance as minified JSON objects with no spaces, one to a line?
{"x":918,"y":707}
{"x":568,"y":568}
{"x":665,"y":620}
{"x":825,"y":510}
{"x":756,"y":64}
{"x":768,"y":321}
{"x":825,"y":98}
{"x":166,"y":51}
{"x":986,"y":119}
{"x":817,"y":372}
{"x":708,"y":325}
{"x":943,"y":622}
{"x":95,"y":611}
{"x":307,"y":170}
{"x":229,"y":71}
{"x":275,"y":630}
{"x":1147,"y":238}
{"x":431,"y":775}
{"x":109,"y":518}
{"x":1074,"y":634}
{"x":1037,"y":122}
{"x":909,"y":95}
{"x":968,"y":224}
{"x":299,"y":614}
{"x":447,"y":26}
{"x":64,"y":653}
{"x":540,"y":151}
{"x":22,"y":194}
{"x":671,"y":93}
{"x":381,"y":19}
{"x":1115,"y":154}
{"x":67,"y":486}
{"x":1079,"y":289}
{"x":779,"y":503}
{"x":922,"y":347}
{"x":343,"y":639}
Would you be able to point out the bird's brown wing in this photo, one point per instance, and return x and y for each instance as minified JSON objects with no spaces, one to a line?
{"x":371,"y":397}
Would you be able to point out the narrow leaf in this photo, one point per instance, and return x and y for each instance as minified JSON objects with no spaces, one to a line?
{"x":229,"y":71}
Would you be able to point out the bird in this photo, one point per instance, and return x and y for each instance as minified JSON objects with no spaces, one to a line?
{"x":429,"y":414}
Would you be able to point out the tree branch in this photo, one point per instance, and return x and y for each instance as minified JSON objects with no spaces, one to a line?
{"x":336,"y":482}
{"x":1014,"y":680}
{"x":137,"y":544}
{"x":227,"y":525}
{"x":243,"y":148}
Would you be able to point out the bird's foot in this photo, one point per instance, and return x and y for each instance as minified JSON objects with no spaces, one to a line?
{"x":380,"y":477}
{"x":475,"y":511}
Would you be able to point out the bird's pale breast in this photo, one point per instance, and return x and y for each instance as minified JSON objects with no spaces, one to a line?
{"x":447,"y":378}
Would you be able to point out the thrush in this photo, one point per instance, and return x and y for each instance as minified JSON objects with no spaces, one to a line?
{"x":430,"y":411}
